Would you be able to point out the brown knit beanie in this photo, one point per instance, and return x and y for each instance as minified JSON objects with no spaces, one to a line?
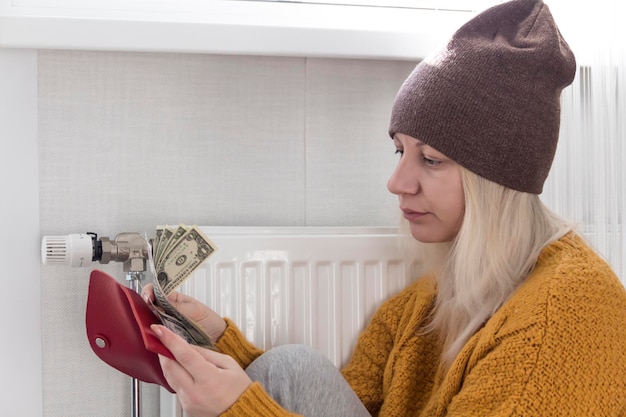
{"x":490,"y":99}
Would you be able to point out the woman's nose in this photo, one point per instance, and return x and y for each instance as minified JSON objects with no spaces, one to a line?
{"x":404,"y":179}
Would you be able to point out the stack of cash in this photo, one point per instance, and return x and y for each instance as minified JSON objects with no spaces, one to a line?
{"x":176,"y":252}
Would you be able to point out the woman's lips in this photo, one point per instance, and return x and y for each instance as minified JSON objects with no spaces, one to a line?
{"x":411,"y":215}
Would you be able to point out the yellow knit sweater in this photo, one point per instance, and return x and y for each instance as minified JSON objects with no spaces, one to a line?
{"x":556,"y":348}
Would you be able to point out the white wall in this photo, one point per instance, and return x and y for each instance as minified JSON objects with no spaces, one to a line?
{"x":20,"y":350}
{"x":111,"y":142}
{"x":127,"y":141}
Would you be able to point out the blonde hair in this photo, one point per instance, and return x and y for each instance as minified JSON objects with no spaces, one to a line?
{"x":502,"y":234}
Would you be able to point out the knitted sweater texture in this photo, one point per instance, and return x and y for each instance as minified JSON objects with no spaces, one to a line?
{"x":557,"y":347}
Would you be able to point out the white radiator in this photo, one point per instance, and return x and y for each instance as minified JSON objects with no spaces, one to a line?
{"x":307,"y":285}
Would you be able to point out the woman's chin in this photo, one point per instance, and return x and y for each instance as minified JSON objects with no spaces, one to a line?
{"x":429,"y":236}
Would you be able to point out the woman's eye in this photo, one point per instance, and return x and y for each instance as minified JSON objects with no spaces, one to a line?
{"x":431,"y":162}
{"x":399,"y":151}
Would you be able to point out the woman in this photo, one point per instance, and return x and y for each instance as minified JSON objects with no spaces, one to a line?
{"x":519,"y":316}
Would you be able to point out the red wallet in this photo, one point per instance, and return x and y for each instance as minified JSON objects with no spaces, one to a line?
{"x":118,"y":328}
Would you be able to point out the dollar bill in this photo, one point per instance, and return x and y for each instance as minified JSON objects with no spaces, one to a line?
{"x":173,"y":236}
{"x":163,"y":234}
{"x":178,"y":323}
{"x":176,"y":253}
{"x":182,"y":257}
{"x":191,"y":334}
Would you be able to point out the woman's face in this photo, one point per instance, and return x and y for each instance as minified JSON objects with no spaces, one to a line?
{"x":428,"y":186}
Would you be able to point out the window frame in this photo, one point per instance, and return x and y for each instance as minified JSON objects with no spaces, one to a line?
{"x":228,"y":27}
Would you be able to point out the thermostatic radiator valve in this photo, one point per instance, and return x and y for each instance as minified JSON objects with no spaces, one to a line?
{"x":85,"y":249}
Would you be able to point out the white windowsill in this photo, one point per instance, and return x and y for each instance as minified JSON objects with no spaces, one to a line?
{"x":227,"y":27}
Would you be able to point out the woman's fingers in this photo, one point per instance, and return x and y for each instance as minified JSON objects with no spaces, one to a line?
{"x":206,"y":382}
{"x":190,"y":359}
{"x":219,"y":360}
{"x":212,"y":323}
{"x":175,"y":374}
{"x":175,"y":298}
{"x":147,"y":292}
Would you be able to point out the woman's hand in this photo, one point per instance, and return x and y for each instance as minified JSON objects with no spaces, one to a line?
{"x":212,"y":323}
{"x":207,"y":383}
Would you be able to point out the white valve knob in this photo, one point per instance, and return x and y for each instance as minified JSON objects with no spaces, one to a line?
{"x":72,"y":250}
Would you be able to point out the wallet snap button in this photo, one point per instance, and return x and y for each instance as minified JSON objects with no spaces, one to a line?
{"x":101,"y":342}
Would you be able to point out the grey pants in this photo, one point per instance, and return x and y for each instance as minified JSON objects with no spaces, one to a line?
{"x":305,"y":382}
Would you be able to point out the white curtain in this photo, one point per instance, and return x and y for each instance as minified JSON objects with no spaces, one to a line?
{"x":588,"y":181}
